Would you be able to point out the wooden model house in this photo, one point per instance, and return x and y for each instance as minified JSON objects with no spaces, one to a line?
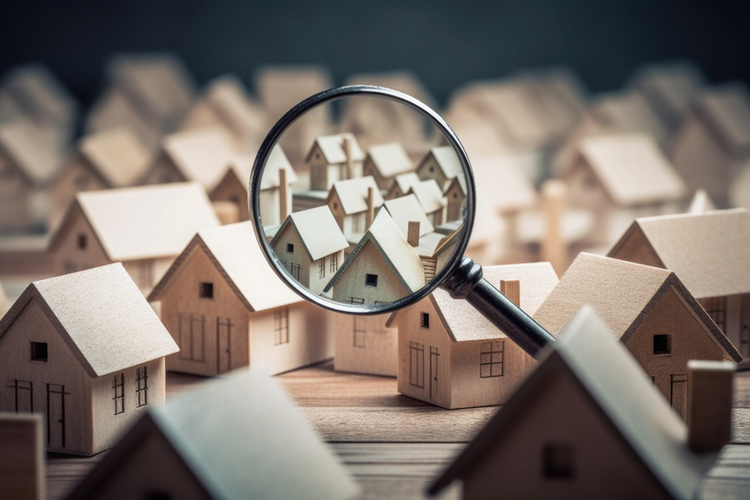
{"x":334,"y":158}
{"x":649,"y":310}
{"x":406,"y":211}
{"x":227,"y":309}
{"x":22,"y":456}
{"x":233,"y":438}
{"x":311,"y":247}
{"x":112,"y":158}
{"x":587,"y":423}
{"x":145,"y":228}
{"x":382,"y":268}
{"x":619,"y":178}
{"x":87,"y":351}
{"x":354,"y":204}
{"x":455,"y":198}
{"x":430,"y":196}
{"x":709,"y":252}
{"x":450,"y":355}
{"x":441,"y":164}
{"x":385,"y":162}
{"x":363,"y":344}
{"x":713,"y":142}
{"x":401,"y":185}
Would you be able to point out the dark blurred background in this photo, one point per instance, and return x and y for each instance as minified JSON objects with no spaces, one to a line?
{"x":446,"y":43}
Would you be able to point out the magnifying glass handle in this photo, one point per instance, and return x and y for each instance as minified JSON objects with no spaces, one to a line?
{"x":466,"y":282}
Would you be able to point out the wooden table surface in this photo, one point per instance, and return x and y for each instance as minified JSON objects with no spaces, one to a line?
{"x":394,"y":445}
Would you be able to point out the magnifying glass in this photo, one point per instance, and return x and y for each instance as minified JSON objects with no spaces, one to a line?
{"x":378,"y":231}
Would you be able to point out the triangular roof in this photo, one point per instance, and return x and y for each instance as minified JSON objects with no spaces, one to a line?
{"x":40,"y":94}
{"x":235,"y":252}
{"x":406,"y":181}
{"x":281,"y":87}
{"x":459,"y":180}
{"x":390,"y":159}
{"x":318,"y":230}
{"x":701,"y":202}
{"x":726,"y":111}
{"x":619,"y":390}
{"x":102,"y":317}
{"x":622,"y":293}
{"x":117,"y":155}
{"x":400,"y":256}
{"x":37,"y":161}
{"x":352,"y":194}
{"x":143,"y":222}
{"x":626,"y":112}
{"x":200,"y":154}
{"x":502,"y":184}
{"x":670,"y":88}
{"x":624,"y":162}
{"x":447,"y":160}
{"x":332,"y":147}
{"x":407,"y":209}
{"x":429,"y":194}
{"x":234,"y":435}
{"x":229,"y":98}
{"x":710,"y":252}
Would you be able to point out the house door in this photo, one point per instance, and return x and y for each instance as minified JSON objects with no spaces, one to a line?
{"x":192,"y":339}
{"x":433,"y":372}
{"x":745,"y":326}
{"x":223,"y":344}
{"x":56,"y":415}
{"x":678,"y":393}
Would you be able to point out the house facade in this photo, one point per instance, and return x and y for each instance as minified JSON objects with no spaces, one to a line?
{"x":384,"y":162}
{"x":351,"y":205}
{"x":364,"y":344}
{"x":441,"y":164}
{"x":334,"y":158}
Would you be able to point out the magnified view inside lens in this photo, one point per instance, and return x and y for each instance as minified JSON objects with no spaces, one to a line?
{"x":372,"y":212}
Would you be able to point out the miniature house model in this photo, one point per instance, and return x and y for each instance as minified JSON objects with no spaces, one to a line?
{"x":710,"y":253}
{"x":441,"y":164}
{"x":402,"y":183}
{"x":587,"y":423}
{"x":405,"y":212}
{"x":450,"y":355}
{"x":227,"y":309}
{"x":226,"y":439}
{"x":384,"y":162}
{"x":145,"y":228}
{"x":455,"y":198}
{"x":649,"y":310}
{"x":311,"y":247}
{"x":354,"y":204}
{"x":334,"y":158}
{"x":364,"y":344}
{"x":430,"y":196}
{"x":86,"y":350}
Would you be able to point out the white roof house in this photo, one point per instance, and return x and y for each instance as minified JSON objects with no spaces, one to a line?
{"x":117,"y":155}
{"x":352,"y":194}
{"x":430,"y":195}
{"x":332,"y":147}
{"x":390,"y":159}
{"x":407,"y":209}
{"x":318,"y":231}
{"x":201,"y":154}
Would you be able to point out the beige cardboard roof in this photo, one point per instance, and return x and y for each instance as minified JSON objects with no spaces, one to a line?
{"x":232,"y":103}
{"x":276,"y":160}
{"x":281,"y":87}
{"x":406,"y":181}
{"x":633,"y":169}
{"x":102,"y":317}
{"x":460,"y":180}
{"x":318,"y":231}
{"x":726,"y":109}
{"x":40,"y":94}
{"x":447,"y":160}
{"x":430,"y":195}
{"x":352,"y":194}
{"x":37,"y":161}
{"x":200,"y":154}
{"x":407,"y":209}
{"x":332,"y":147}
{"x":709,"y":252}
{"x":117,"y":155}
{"x":390,"y":159}
{"x":502,"y":184}
{"x":626,"y":112}
{"x":145,"y":222}
{"x":234,"y":250}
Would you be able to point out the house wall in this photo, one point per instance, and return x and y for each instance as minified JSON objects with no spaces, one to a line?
{"x":323,"y":174}
{"x":456,"y":202}
{"x":145,"y":273}
{"x":270,"y":203}
{"x":231,"y":189}
{"x":429,"y":169}
{"x":15,"y":191}
{"x":164,"y":171}
{"x":394,"y":192}
{"x":437,"y":217}
{"x":61,"y":369}
{"x":318,"y":280}
{"x":368,"y":168}
{"x":298,"y":256}
{"x":736,"y":320}
{"x":334,"y":205}
{"x":66,"y":256}
{"x":76,"y":177}
{"x":637,"y":249}
{"x":363,"y":344}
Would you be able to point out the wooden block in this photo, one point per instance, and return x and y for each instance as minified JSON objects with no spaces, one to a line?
{"x":226,"y":211}
{"x":709,"y":404}
{"x":21,"y":456}
{"x":554,"y":250}
{"x":512,"y":290}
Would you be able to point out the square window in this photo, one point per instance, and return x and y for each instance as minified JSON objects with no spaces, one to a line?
{"x":289,"y":248}
{"x":39,"y":351}
{"x":557,"y":461}
{"x":206,"y":290}
{"x":371,"y":280}
{"x":425,"y":321}
{"x":83,"y":242}
{"x":663,"y":344}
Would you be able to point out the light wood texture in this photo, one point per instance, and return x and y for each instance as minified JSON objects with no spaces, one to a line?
{"x":334,"y":158}
{"x":709,"y":414}
{"x":385,"y":162}
{"x":348,"y":202}
{"x":22,"y":456}
{"x":363,"y":344}
{"x":430,"y":196}
{"x":407,"y":209}
{"x":554,"y":248}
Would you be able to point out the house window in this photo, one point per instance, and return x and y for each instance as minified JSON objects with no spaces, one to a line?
{"x":371,"y":280}
{"x":717,"y":308}
{"x":281,"y":326}
{"x":557,"y":461}
{"x":289,"y":248}
{"x":322,"y":268}
{"x":119,"y":393}
{"x":23,"y":395}
{"x":356,"y":300}
{"x":359,"y":331}
{"x":432,"y":169}
{"x":416,"y":364}
{"x":83,"y":242}
{"x":491,"y":359}
{"x":662,"y":344}
{"x":141,"y":383}
{"x":334,"y":263}
{"x":335,"y":206}
{"x":39,"y":351}
{"x":424,"y":320}
{"x":206,"y":290}
{"x":295,"y":270}
{"x":317,"y":156}
{"x":455,"y":195}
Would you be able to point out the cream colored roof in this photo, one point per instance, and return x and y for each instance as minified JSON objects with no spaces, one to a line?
{"x":429,"y":195}
{"x":447,"y":160}
{"x":102,"y":316}
{"x":40,"y":93}
{"x":406,"y":181}
{"x":201,"y":154}
{"x":390,"y":159}
{"x":332,"y":147}
{"x":626,"y":112}
{"x":37,"y":161}
{"x":632,"y":169}
{"x":117,"y":155}
{"x":318,"y":231}
{"x":727,"y":111}
{"x":229,"y":97}
{"x":276,"y":160}
{"x":460,"y":180}
{"x":502,"y":184}
{"x":407,"y":209}
{"x":352,"y":194}
{"x":281,"y":87}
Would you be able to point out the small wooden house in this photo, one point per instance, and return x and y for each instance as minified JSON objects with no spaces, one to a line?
{"x":227,"y":309}
{"x":145,"y":228}
{"x":385,"y":162}
{"x":354,"y":203}
{"x":233,"y":438}
{"x":22,"y":456}
{"x":619,"y":178}
{"x":430,"y":197}
{"x":311,"y":247}
{"x":709,"y":252}
{"x":441,"y":164}
{"x":586,"y":423}
{"x":363,"y":344}
{"x":450,"y":355}
{"x":407,"y":210}
{"x":334,"y":158}
{"x":649,"y":310}
{"x":455,"y":198}
{"x":87,"y":351}
{"x":382,"y":268}
{"x":401,"y":185}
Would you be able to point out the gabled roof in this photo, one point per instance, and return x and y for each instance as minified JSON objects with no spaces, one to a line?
{"x":726,"y":110}
{"x":281,"y":87}
{"x":464,"y":323}
{"x":390,"y":159}
{"x":626,"y":112}
{"x":276,"y":160}
{"x":701,"y":202}
{"x":618,"y":389}
{"x":429,"y":194}
{"x":407,"y":209}
{"x":502,"y":184}
{"x":406,"y":181}
{"x":318,"y":230}
{"x":222,"y":426}
{"x":400,"y":256}
{"x":332,"y":147}
{"x":143,"y":222}
{"x":447,"y":160}
{"x":622,"y":293}
{"x":200,"y":154}
{"x":102,"y":317}
{"x":459,"y":180}
{"x":670,"y":88}
{"x":710,"y":252}
{"x":117,"y":155}
{"x":230,"y":100}
{"x":39,"y":94}
{"x":235,"y":252}
{"x":352,"y":194}
{"x":37,"y":161}
{"x":632,"y":168}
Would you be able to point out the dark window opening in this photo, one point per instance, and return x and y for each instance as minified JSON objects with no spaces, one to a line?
{"x":157,"y":495}
{"x":289,"y":248}
{"x":371,"y":280}
{"x":557,"y":461}
{"x":141,"y":381}
{"x":425,"y":323}
{"x":119,"y":393}
{"x":356,"y":300}
{"x":83,"y":242}
{"x":492,"y":360}
{"x":206,"y":290}
{"x":662,"y":344}
{"x":39,"y":351}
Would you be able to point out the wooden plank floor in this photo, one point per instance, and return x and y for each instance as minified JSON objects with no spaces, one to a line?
{"x":394,"y":445}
